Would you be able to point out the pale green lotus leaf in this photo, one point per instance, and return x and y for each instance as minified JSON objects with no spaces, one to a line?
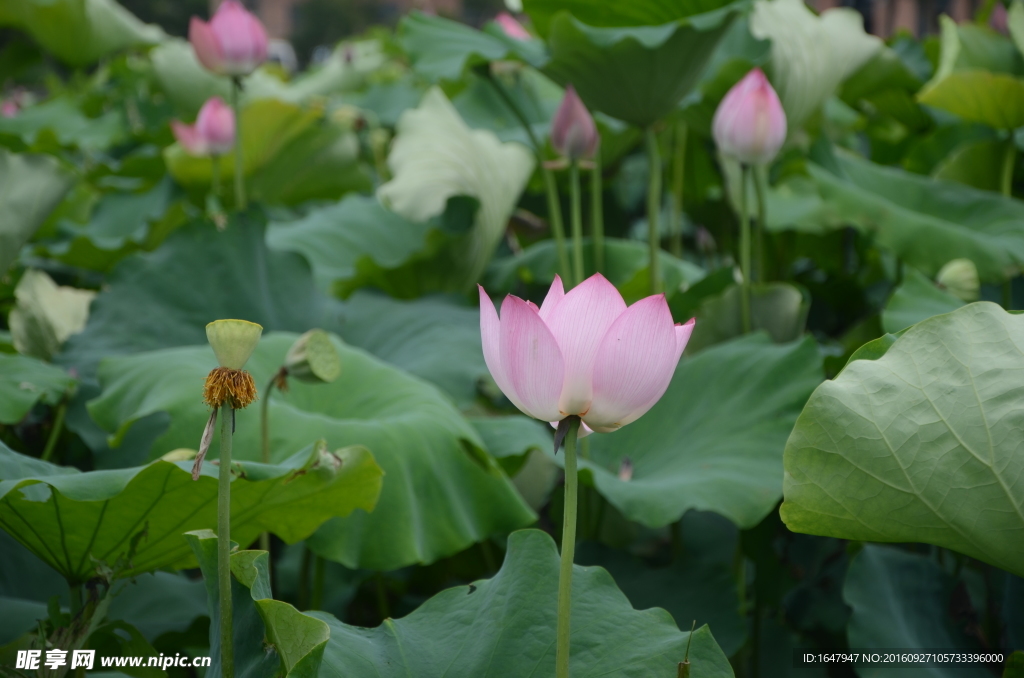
{"x":811,"y":55}
{"x":30,"y":187}
{"x":46,"y":314}
{"x":436,"y":156}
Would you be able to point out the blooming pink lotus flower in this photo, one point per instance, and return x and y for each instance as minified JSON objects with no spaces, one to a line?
{"x":573,"y":132}
{"x":233,"y":43}
{"x":511,"y":27}
{"x":213,"y":133}
{"x":750,"y":124}
{"x":583,"y":353}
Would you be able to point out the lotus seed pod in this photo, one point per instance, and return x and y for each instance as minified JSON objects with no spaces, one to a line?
{"x":960,"y":278}
{"x":233,"y":341}
{"x":313,"y":358}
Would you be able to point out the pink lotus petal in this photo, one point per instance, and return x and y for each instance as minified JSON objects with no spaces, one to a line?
{"x":241,"y":37}
{"x":579,"y":322}
{"x":189,"y":138}
{"x":216,"y":126}
{"x":584,"y":429}
{"x":206,"y":46}
{"x":635,"y":363}
{"x":573,"y":132}
{"x":511,"y":27}
{"x":490,"y":333}
{"x":750,"y":124}
{"x":531,"y":360}
{"x":555,"y":294}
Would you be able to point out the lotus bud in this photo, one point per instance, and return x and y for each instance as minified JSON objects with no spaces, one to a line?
{"x":233,"y":43}
{"x":511,"y":27}
{"x":960,"y":278}
{"x":180,"y":454}
{"x":9,"y":108}
{"x":750,"y":124}
{"x":213,"y":133}
{"x":233,"y":342}
{"x":573,"y":132}
{"x":313,"y":358}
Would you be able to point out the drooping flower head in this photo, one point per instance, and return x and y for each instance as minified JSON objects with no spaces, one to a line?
{"x":212,"y":134}
{"x":583,"y":353}
{"x":750,"y":124}
{"x":233,"y":43}
{"x":573,"y":132}
{"x":512,"y":27}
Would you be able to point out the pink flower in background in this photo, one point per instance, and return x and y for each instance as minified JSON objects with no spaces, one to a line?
{"x":233,"y":43}
{"x":573,"y":132}
{"x":9,"y":108}
{"x":213,"y":133}
{"x":750,"y":124}
{"x":999,"y":19}
{"x":583,"y":353}
{"x":512,"y":28}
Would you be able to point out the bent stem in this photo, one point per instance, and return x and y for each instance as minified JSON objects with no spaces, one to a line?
{"x":745,"y":249}
{"x":762,"y":223}
{"x":224,"y":543}
{"x":597,"y":213}
{"x":678,"y":175}
{"x":576,"y":214}
{"x":654,"y":209}
{"x":236,"y":89}
{"x":568,"y":552}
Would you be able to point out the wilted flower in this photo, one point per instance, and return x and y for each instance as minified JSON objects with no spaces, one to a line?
{"x":212,"y":134}
{"x":233,"y":43}
{"x":233,"y":341}
{"x":583,"y":353}
{"x":750,"y":124}
{"x":511,"y":27}
{"x":573,"y":132}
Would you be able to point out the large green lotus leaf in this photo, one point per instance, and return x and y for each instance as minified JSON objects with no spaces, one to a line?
{"x":60,"y":119}
{"x":79,"y":32}
{"x":612,"y":14}
{"x":915,"y":598}
{"x":836,"y":39}
{"x":30,"y":187}
{"x":165,"y":298}
{"x":993,"y":99}
{"x":291,"y":154}
{"x":920,"y":445}
{"x":434,"y":338}
{"x":504,"y":627}
{"x":435,"y":157}
{"x":979,"y":165}
{"x":638,"y":74}
{"x":972,"y":47}
{"x":714,"y":441}
{"x":354,"y":238}
{"x":924,"y":221}
{"x":698,"y":585}
{"x":440,"y":48}
{"x":625,"y":266}
{"x":534,"y":95}
{"x":776,"y":308}
{"x":443,"y":491}
{"x":68,"y":518}
{"x":25,"y":381}
{"x":271,"y":638}
{"x":916,"y":299}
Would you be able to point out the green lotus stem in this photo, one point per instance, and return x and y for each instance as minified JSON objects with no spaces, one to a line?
{"x":303,"y":595}
{"x":227,"y":651}
{"x":265,"y":449}
{"x":597,"y":213}
{"x":236,"y":88}
{"x":678,"y":175}
{"x":576,"y":213}
{"x":58,"y":426}
{"x":762,"y":223}
{"x":1007,"y":189}
{"x":550,"y":188}
{"x":215,"y":176}
{"x":654,"y":209}
{"x":745,"y":249}
{"x":382,"y":597}
{"x":568,"y":551}
{"x":76,"y":599}
{"x":316,"y":600}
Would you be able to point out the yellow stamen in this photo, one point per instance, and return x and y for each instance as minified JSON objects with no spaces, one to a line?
{"x":227,"y":386}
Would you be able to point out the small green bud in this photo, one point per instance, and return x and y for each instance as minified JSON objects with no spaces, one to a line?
{"x":233,"y":341}
{"x":960,"y":278}
{"x":313,"y":358}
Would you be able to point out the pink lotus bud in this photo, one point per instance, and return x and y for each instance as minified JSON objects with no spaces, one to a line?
{"x":511,"y":27}
{"x":750,"y":124}
{"x":233,"y":42}
{"x":999,"y":19}
{"x":9,"y":108}
{"x":573,"y":132}
{"x":213,"y":133}
{"x":583,"y":353}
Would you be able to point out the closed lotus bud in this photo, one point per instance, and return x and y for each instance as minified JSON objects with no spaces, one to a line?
{"x":511,"y":27}
{"x":213,"y":133}
{"x":750,"y":124}
{"x":960,"y":278}
{"x":573,"y":132}
{"x":313,"y":358}
{"x":233,"y":43}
